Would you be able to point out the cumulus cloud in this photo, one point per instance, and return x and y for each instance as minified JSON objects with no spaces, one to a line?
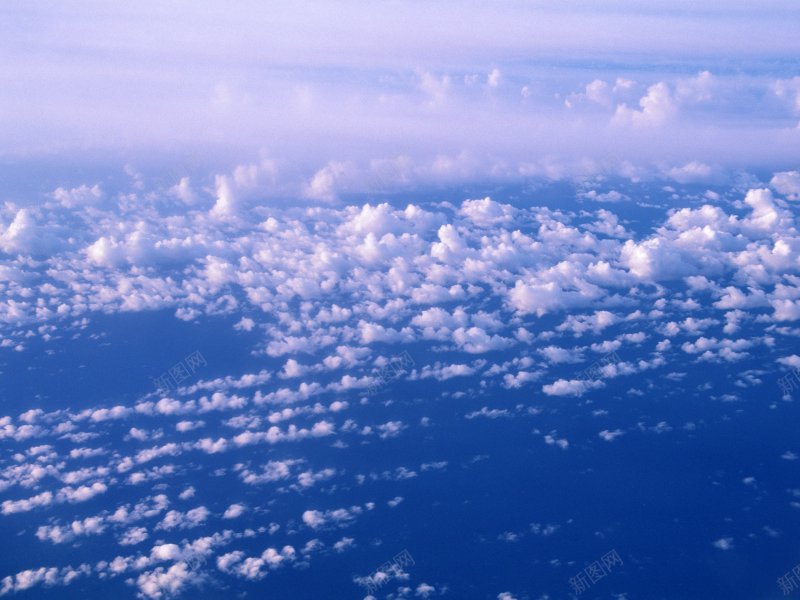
{"x":161,"y":583}
{"x":571,"y":387}
{"x":656,"y":107}
{"x":175,"y":519}
{"x":234,"y":511}
{"x":133,"y":536}
{"x":256,"y":567}
{"x":79,"y":196}
{"x":787,"y":183}
{"x":339,"y":517}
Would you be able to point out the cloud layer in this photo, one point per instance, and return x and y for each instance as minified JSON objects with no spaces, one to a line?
{"x":445,"y":92}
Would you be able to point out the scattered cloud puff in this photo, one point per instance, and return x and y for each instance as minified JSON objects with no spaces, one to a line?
{"x":787,"y":183}
{"x":725,"y":543}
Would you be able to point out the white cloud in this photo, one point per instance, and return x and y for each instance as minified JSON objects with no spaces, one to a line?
{"x":493,"y":78}
{"x":340,"y":517}
{"x":657,"y":107}
{"x":79,"y":196}
{"x":133,"y":536}
{"x":161,"y":583}
{"x":609,"y":436}
{"x":787,"y":183}
{"x":724,"y":543}
{"x":234,"y":511}
{"x":176,"y":519}
{"x":571,"y":387}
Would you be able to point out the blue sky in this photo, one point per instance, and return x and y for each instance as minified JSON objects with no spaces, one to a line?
{"x":398,"y":301}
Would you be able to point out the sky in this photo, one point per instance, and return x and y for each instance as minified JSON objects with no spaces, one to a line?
{"x":399,"y":300}
{"x":443,"y":91}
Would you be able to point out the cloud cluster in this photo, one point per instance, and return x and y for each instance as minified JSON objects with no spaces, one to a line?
{"x":484,"y":296}
{"x":310,"y":110}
